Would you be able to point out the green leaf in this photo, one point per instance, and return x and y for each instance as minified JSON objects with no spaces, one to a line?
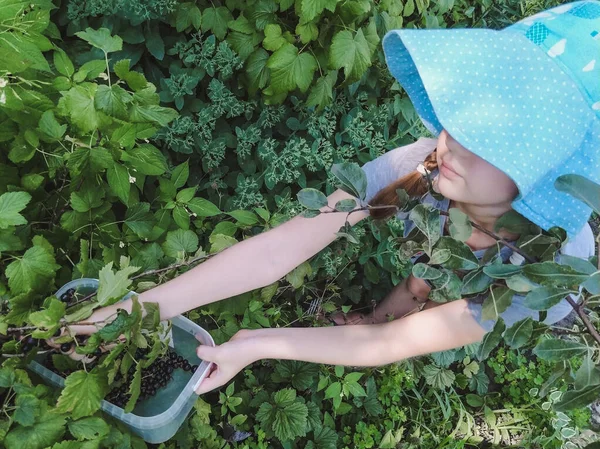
{"x":321,"y":94}
{"x":152,"y":113}
{"x":11,"y":203}
{"x":475,"y":281}
{"x":216,"y":20}
{"x":88,"y":198}
{"x":543,"y":298}
{"x":112,"y":100}
{"x":244,"y":217}
{"x":519,"y":333}
{"x":513,"y":222}
{"x":89,"y":428}
{"x":291,"y":70}
{"x":427,"y":219}
{"x":460,"y":226}
{"x":48,"y":429}
{"x":101,"y":39}
{"x":32,"y":271}
{"x":576,"y":399}
{"x":347,"y":205}
{"x":350,"y":52}
{"x":424,"y":271}
{"x":333,"y":391}
{"x":120,"y":325}
{"x":187,"y":14}
{"x":82,"y":395}
{"x":27,"y":409}
{"x":307,"y":32}
{"x":301,"y":374}
{"x":257,"y":72}
{"x":352,"y":179}
{"x":491,"y":340}
{"x":581,"y":188}
{"x":49,"y":317}
{"x":180,"y":242}
{"x":496,"y":302}
{"x":312,"y":198}
{"x":153,"y":40}
{"x":501,"y":271}
{"x":577,"y":263}
{"x":309,"y":9}
{"x":553,"y":275}
{"x":50,"y":126}
{"x":371,"y":403}
{"x":113,"y":286}
{"x":437,"y":377}
{"x":219,"y":242}
{"x":462,"y":258}
{"x":79,"y":102}
{"x":555,"y":350}
{"x":180,"y":174}
{"x":62,"y":63}
{"x":118,"y":181}
{"x":273,"y":39}
{"x":325,"y":438}
{"x":587,"y":375}
{"x":134,"y":390}
{"x":139,"y":219}
{"x":297,"y":275}
{"x":203,"y":208}
{"x":146,"y":159}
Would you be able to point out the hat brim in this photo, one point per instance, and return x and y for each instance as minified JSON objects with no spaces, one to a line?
{"x":504,"y":99}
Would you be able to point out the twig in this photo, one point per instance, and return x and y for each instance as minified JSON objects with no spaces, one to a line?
{"x":527,"y":257}
{"x":588,"y":324}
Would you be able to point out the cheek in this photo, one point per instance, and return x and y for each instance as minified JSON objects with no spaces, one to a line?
{"x":490,"y":185}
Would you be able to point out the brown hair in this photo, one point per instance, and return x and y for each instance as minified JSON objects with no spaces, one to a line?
{"x":415,"y":184}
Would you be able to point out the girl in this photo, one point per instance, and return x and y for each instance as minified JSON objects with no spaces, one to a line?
{"x":513,"y":110}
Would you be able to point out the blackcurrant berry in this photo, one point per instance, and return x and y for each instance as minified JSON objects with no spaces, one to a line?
{"x":71,"y":291}
{"x":194,"y":368}
{"x":66,"y":347}
{"x":64,"y":297}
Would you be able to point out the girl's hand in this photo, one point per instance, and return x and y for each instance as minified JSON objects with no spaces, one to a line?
{"x":228,"y":359}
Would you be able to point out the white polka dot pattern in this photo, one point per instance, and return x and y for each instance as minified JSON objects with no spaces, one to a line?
{"x":526,"y":99}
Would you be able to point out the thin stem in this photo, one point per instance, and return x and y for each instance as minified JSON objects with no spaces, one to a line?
{"x":586,"y":321}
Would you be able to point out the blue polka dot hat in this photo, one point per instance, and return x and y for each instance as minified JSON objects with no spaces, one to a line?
{"x":525,"y":98}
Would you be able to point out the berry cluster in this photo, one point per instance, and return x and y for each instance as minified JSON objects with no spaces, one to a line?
{"x":154,"y":377}
{"x":68,"y":296}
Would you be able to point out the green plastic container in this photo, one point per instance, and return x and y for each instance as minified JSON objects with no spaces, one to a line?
{"x":158,"y":418}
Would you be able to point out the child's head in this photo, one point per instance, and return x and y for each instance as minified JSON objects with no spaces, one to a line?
{"x":525,"y":99}
{"x":467,"y":178}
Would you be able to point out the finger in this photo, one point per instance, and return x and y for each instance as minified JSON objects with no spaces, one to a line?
{"x":208,"y":353}
{"x":214,"y":380}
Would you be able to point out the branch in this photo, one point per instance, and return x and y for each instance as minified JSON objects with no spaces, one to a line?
{"x":586,"y":320}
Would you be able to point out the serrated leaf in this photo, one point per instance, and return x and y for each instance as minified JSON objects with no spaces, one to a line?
{"x":291,"y":70}
{"x":300,"y":374}
{"x":113,"y":286}
{"x":216,"y":20}
{"x":180,"y":242}
{"x":62,"y":63}
{"x":11,"y":203}
{"x":48,"y":429}
{"x":31,"y":271}
{"x":50,"y":126}
{"x":79,"y":102}
{"x":309,"y":9}
{"x":139,"y":219}
{"x":203,"y":208}
{"x":297,"y":275}
{"x":82,"y":395}
{"x":134,"y":389}
{"x":519,"y":333}
{"x":118,"y":181}
{"x":180,"y":174}
{"x":273,"y":39}
{"x":27,"y":409}
{"x":321,"y":94}
{"x":351,"y":52}
{"x":146,"y":159}
{"x":101,"y":39}
{"x":89,"y":428}
{"x":556,"y":350}
{"x":113,"y":100}
{"x":437,"y":377}
{"x":49,"y":317}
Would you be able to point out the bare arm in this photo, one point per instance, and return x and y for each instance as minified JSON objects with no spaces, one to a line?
{"x":444,"y":327}
{"x":247,"y":265}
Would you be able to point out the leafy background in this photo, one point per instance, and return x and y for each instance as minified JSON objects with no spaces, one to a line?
{"x":210,"y":119}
